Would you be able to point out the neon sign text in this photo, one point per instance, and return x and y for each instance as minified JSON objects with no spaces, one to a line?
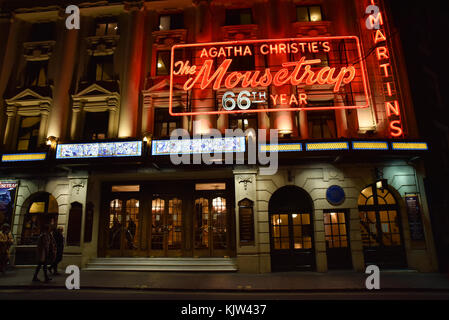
{"x":316,"y":63}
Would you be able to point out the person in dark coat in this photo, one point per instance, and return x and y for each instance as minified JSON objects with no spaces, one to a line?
{"x":59,"y":242}
{"x":43,"y":253}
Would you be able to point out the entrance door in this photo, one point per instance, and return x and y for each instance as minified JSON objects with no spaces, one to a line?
{"x":380,"y":225}
{"x":124,"y":226}
{"x":337,"y":242}
{"x":291,"y":230}
{"x":291,"y":242}
{"x":166,"y":226}
{"x":211,"y":227}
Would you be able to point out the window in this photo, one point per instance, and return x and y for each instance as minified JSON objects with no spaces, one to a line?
{"x":163,"y":62}
{"x":42,"y":32}
{"x":43,"y":210}
{"x":106,"y":28}
{"x":309,"y":13}
{"x":28,"y":133}
{"x":101,"y":68}
{"x":164,"y":122}
{"x":323,"y":56}
{"x":238,"y":17}
{"x":335,"y":229}
{"x":322,"y":124}
{"x":36,"y":73}
{"x":96,"y":125}
{"x":171,"y":22}
{"x":242,"y":121}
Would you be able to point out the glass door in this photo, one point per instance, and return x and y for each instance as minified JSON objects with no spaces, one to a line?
{"x":166,"y":226}
{"x":211,"y":227}
{"x":123,"y":234}
{"x":291,"y":242}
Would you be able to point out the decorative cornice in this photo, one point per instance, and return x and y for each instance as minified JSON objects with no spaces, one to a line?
{"x":38,"y":50}
{"x":311,"y":29}
{"x":102,"y":45}
{"x":247,"y":32}
{"x":167,"y":39}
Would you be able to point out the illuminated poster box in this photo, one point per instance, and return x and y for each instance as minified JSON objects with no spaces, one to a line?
{"x":215,"y":71}
{"x":99,"y":150}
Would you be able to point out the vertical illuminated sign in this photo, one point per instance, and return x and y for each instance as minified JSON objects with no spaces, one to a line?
{"x":375,"y":22}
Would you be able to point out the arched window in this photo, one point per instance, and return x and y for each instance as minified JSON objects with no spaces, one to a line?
{"x":43,"y":210}
{"x":380,"y":227}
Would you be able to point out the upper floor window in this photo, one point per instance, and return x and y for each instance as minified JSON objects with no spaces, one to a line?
{"x":101,"y":68}
{"x":308,"y":13}
{"x":96,"y":125}
{"x":28,"y":133}
{"x":322,"y":124}
{"x":238,"y":17}
{"x":243,"y":121}
{"x":171,"y":21}
{"x":36,"y":73}
{"x":163,"y":63}
{"x":42,"y":32}
{"x":164,"y":124}
{"x":106,"y":27}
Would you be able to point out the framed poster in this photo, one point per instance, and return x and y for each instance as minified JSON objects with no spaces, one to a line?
{"x":414,"y":216}
{"x":246,"y":222}
{"x":8,"y":191}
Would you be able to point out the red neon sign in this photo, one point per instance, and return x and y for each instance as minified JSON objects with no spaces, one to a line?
{"x":392,"y":108}
{"x":291,"y":62}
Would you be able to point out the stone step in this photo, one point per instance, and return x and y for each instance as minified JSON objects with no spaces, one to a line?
{"x":162,"y":264}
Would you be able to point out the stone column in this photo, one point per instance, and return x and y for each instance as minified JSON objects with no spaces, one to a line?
{"x":76,"y":110}
{"x":340,"y":117}
{"x":131,"y":82}
{"x":248,"y":257}
{"x":45,"y":111}
{"x":60,"y":108}
{"x":147,"y":115}
{"x":9,"y":130}
{"x":11,"y":47}
{"x":303,"y":125}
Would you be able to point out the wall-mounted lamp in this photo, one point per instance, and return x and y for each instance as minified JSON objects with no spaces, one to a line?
{"x":52,"y":142}
{"x":381,"y":184}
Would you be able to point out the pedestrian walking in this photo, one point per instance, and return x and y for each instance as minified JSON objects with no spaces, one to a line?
{"x":6,"y":240}
{"x":43,"y":253}
{"x":59,"y":241}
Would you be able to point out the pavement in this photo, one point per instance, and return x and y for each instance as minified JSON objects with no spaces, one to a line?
{"x":332,"y":281}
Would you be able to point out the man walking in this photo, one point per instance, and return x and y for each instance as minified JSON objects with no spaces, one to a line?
{"x":59,"y":242}
{"x":43,"y":252}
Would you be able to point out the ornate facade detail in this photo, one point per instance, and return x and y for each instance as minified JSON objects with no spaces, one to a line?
{"x":311,"y":29}
{"x":41,"y":50}
{"x":245,"y":180}
{"x":102,"y":45}
{"x":77,"y":185}
{"x":240,"y":32}
{"x":167,"y":39}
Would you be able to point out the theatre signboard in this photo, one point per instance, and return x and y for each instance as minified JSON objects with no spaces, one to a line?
{"x":240,"y":73}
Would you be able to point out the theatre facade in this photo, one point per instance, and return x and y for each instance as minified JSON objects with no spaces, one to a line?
{"x":319,"y":88}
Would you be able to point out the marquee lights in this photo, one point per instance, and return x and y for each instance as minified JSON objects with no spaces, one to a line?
{"x":24,"y":157}
{"x":375,"y":22}
{"x":282,"y":147}
{"x":202,"y":72}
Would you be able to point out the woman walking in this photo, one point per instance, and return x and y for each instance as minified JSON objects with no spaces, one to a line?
{"x":6,"y":241}
{"x":43,"y":253}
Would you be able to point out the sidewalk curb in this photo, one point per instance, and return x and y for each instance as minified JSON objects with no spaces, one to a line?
{"x":242,"y":290}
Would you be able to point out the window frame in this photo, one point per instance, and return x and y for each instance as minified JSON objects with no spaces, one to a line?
{"x":308,"y":12}
{"x":237,"y":11}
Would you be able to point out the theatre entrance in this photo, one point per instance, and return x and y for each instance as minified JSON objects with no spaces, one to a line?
{"x":291,"y":230}
{"x":170,"y":219}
